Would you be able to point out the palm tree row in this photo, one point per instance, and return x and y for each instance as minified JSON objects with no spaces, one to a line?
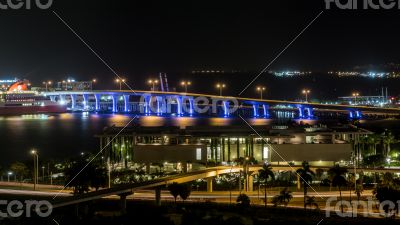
{"x":305,"y":177}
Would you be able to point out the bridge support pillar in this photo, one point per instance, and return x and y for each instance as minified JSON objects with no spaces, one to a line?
{"x":126,"y":103}
{"x":209,"y":184}
{"x":250,"y":184}
{"x":226,"y":108}
{"x":62,"y":100}
{"x":265,"y":111}
{"x":122,"y":202}
{"x":301,"y":112}
{"x":161,"y":106}
{"x":97,"y":98}
{"x":158,"y":196}
{"x":191,"y":105}
{"x":73,"y":101}
{"x":298,"y":182}
{"x":146,"y":104}
{"x":85,"y":101}
{"x":309,"y":112}
{"x":255,"y":110}
{"x":179,"y":105}
{"x":115,"y":103}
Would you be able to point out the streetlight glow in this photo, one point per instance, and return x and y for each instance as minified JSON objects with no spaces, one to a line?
{"x":120,"y":81}
{"x":306,"y":92}
{"x":261,"y":90}
{"x":153,"y":83}
{"x":220,"y":87}
{"x":186,"y":84}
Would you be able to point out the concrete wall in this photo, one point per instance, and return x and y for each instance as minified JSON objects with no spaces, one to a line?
{"x":311,"y":152}
{"x":168,"y":153}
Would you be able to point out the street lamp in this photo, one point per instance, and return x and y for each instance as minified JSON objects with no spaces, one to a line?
{"x":220,"y":87}
{"x":43,"y":173}
{"x":46,"y":83}
{"x":186,"y":84}
{"x":153,"y":83}
{"x":8,"y":176}
{"x":306,"y":92}
{"x":355,"y":95}
{"x":120,"y":81}
{"x":35,"y":168}
{"x":93,"y":82}
{"x":261,"y":90}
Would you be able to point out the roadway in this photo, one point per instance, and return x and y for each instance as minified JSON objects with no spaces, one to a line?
{"x":240,"y":99}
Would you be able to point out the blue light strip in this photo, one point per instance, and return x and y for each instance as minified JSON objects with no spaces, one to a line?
{"x":226,"y":108}
{"x":179,"y":105}
{"x":126,"y":101}
{"x":265,"y":108}
{"x":191,"y":105}
{"x":115,"y":101}
{"x":300,"y":112}
{"x":255,"y":109}
{"x":97,"y":98}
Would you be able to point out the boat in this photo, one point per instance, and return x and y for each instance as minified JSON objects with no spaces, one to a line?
{"x":18,"y":100}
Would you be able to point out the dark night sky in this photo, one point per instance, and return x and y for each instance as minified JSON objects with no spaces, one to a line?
{"x":140,"y":38}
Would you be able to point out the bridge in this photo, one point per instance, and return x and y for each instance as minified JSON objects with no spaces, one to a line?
{"x":192,"y":104}
{"x":128,"y":189}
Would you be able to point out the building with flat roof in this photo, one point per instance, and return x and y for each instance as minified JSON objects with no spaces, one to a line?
{"x":189,"y":147}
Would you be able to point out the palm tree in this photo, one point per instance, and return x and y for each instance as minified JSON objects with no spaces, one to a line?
{"x":336,"y":174}
{"x":174,"y":189}
{"x":264,"y":174}
{"x":20,"y":169}
{"x":306,"y":176}
{"x":184,"y":191}
{"x":310,"y":201}
{"x":372,"y":141}
{"x":388,"y":139}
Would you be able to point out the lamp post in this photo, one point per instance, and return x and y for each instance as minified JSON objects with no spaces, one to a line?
{"x":93,"y":82}
{"x":35,"y":168}
{"x":120,"y":81}
{"x":261,"y":90}
{"x":186,"y":84}
{"x":355,"y":95}
{"x":64,"y":83}
{"x":306,"y":92}
{"x":43,"y":173}
{"x":152,"y":84}
{"x":46,"y":83}
{"x":8,"y":176}
{"x":220,"y":87}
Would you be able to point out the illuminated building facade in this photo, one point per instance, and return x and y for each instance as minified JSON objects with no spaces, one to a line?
{"x":194,"y":147}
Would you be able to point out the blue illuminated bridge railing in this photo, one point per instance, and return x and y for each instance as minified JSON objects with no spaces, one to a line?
{"x":191,"y":104}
